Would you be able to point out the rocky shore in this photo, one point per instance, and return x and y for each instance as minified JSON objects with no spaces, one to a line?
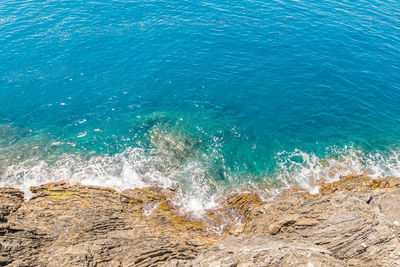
{"x":353,"y":222}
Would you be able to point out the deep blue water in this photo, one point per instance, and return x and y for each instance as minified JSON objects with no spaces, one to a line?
{"x":206,"y":96}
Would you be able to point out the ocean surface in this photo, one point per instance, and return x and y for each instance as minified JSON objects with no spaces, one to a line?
{"x":206,"y":97}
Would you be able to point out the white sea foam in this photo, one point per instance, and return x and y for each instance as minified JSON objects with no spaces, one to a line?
{"x":82,"y":135}
{"x":130,"y":169}
{"x":195,"y":190}
{"x":306,"y":169}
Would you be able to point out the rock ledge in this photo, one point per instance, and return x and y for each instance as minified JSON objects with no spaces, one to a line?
{"x":353,"y":222}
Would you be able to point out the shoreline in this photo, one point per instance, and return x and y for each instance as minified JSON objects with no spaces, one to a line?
{"x":345,"y":224}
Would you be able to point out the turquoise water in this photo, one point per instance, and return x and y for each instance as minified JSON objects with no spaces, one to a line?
{"x":203,"y":96}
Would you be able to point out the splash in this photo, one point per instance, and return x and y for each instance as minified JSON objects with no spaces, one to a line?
{"x":194,"y":166}
{"x":133,"y":168}
{"x":196,"y":190}
{"x":307,"y":169}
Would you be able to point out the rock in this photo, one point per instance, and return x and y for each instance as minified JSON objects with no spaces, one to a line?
{"x":65,"y":225}
{"x":265,"y":251}
{"x":388,"y":203}
{"x":10,"y":200}
{"x":274,"y":229}
{"x":245,"y":264}
{"x":350,"y":223}
{"x":307,"y":222}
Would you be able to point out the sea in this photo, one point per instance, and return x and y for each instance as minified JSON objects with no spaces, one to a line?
{"x":204,"y":97}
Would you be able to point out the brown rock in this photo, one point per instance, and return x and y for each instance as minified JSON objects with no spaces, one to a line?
{"x":245,"y":264}
{"x":350,"y":223}
{"x":307,"y":222}
{"x":265,"y":251}
{"x":65,"y":225}
{"x":274,"y":229}
{"x":388,"y":203}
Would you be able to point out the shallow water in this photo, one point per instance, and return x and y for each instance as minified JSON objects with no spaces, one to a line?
{"x":206,"y":97}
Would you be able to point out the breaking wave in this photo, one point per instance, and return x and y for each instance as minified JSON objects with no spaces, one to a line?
{"x":306,"y":169}
{"x":196,"y":190}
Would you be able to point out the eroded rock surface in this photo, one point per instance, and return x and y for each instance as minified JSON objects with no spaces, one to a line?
{"x":354,"y":222}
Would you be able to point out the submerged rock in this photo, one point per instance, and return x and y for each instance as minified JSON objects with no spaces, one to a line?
{"x":174,"y":142}
{"x":354,"y":222}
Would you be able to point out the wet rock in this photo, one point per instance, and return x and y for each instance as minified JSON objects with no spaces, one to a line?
{"x":10,"y":200}
{"x":65,"y":225}
{"x":350,"y":223}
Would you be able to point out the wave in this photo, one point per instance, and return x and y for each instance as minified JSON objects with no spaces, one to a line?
{"x":132,"y":168}
{"x":196,"y":190}
{"x":307,"y":169}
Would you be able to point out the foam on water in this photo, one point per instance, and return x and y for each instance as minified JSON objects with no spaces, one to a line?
{"x":196,"y":190}
{"x":129,"y":169}
{"x":306,"y":169}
